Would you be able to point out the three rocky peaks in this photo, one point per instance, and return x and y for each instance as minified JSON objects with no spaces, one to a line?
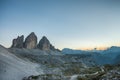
{"x":31,"y":43}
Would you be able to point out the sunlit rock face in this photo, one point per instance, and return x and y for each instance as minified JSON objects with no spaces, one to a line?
{"x":18,"y":42}
{"x":44,"y":44}
{"x":30,"y":41}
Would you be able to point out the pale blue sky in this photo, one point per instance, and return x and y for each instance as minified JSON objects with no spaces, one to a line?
{"x":73,"y":24}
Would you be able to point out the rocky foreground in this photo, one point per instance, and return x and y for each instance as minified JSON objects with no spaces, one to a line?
{"x":27,"y":60}
{"x":57,"y":66}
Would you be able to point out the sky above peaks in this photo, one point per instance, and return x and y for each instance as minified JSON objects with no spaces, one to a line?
{"x":77,"y":24}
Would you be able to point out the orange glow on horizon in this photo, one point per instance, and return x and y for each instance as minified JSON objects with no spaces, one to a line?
{"x":89,"y":48}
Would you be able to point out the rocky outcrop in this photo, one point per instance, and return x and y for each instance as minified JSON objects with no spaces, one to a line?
{"x":18,"y":42}
{"x":44,"y":44}
{"x":52,"y":47}
{"x":31,"y":41}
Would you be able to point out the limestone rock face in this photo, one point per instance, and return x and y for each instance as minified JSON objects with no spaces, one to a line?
{"x":44,"y":44}
{"x":18,"y":42}
{"x":31,"y":41}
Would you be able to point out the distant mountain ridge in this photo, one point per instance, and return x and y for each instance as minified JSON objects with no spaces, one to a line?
{"x":72,"y":51}
{"x":108,"y":56}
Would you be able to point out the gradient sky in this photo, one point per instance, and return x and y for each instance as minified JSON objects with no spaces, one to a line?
{"x":77,"y":24}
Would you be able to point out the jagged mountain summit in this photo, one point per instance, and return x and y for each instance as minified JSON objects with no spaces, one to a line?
{"x":31,"y":43}
{"x":44,"y":44}
{"x":18,"y":42}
